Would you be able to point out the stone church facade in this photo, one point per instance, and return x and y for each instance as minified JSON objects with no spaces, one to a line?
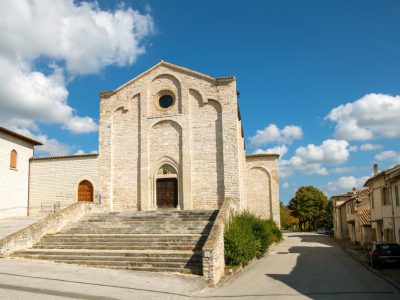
{"x":171,"y":138}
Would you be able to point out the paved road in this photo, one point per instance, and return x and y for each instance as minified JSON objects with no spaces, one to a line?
{"x":303,"y":266}
{"x":307,"y":266}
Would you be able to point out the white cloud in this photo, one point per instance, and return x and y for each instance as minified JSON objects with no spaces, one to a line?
{"x":386,"y":155}
{"x":272,"y":133}
{"x":50,"y":147}
{"x":372,"y":116}
{"x":74,"y":39}
{"x":81,"y":125}
{"x":370,"y":147}
{"x":285,"y":185}
{"x":329,"y":152}
{"x":313,"y":158}
{"x":346,"y":183}
{"x":353,"y":148}
{"x":340,"y":170}
{"x":79,"y":152}
{"x":85,"y":37}
{"x":281,"y":150}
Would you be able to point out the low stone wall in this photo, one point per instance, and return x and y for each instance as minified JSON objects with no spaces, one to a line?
{"x":51,"y":224}
{"x":213,"y":249}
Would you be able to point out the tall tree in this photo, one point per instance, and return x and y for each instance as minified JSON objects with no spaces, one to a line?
{"x":309,"y":206}
{"x":287,"y":220}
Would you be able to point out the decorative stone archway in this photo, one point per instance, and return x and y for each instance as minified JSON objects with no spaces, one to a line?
{"x":166,"y":187}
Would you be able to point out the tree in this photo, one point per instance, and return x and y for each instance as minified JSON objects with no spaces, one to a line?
{"x":284,"y":222}
{"x":287,"y":220}
{"x":309,"y":205}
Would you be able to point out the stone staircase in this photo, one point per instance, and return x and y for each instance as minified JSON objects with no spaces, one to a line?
{"x":163,"y":241}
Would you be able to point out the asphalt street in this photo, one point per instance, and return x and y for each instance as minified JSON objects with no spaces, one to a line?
{"x":303,"y":266}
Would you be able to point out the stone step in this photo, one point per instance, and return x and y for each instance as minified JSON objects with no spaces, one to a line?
{"x":139,"y":226}
{"x":138,"y":266}
{"x":165,"y":253}
{"x":195,"y":259}
{"x":121,"y":242}
{"x":145,"y":222}
{"x":183,"y":218}
{"x":73,"y":240}
{"x":131,"y":231}
{"x":162,"y":241}
{"x":118,"y":247}
{"x":120,"y":261}
{"x":158,"y":213}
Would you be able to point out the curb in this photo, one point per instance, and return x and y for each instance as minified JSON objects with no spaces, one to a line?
{"x":361,"y":262}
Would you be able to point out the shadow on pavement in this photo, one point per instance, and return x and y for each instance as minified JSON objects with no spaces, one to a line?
{"x":321,"y":270}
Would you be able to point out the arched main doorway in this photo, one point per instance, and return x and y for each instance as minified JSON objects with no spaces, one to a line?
{"x":85,"y":191}
{"x":166,"y":187}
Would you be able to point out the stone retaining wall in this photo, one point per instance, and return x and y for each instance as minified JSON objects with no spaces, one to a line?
{"x":213,"y":249}
{"x":53,"y":223}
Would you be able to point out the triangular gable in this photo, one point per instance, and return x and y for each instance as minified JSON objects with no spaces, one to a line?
{"x":174,"y":67}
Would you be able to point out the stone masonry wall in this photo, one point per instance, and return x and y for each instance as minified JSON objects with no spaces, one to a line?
{"x":207,"y":153}
{"x":14,"y":182}
{"x":263,"y":185}
{"x":125,"y":152}
{"x":208,"y":157}
{"x":54,"y":181}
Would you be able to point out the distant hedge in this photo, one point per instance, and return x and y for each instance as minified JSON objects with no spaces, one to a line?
{"x":248,"y":236}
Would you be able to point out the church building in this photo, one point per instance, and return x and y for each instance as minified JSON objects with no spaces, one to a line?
{"x":173,"y":138}
{"x":170,"y":138}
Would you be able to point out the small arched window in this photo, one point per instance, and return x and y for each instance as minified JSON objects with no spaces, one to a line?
{"x":13,"y":159}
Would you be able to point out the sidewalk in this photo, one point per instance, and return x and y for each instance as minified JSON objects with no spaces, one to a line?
{"x":13,"y":224}
{"x":361,"y":255}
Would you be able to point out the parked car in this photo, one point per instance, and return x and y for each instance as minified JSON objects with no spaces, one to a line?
{"x":385,"y":254}
{"x":325,"y":231}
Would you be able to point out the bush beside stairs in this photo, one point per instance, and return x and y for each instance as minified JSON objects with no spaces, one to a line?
{"x":161,"y":241}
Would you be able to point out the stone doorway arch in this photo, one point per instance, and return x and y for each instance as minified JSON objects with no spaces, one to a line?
{"x":166,"y":187}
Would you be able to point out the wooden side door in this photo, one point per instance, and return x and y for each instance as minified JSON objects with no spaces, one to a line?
{"x":85,"y":191}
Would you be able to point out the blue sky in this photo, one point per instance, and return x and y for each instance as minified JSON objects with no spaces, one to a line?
{"x":319,"y":80}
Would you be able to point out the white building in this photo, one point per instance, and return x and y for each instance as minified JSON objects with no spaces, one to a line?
{"x":15,"y":152}
{"x":385,"y":204}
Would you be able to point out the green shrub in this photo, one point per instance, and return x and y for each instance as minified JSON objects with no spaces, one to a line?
{"x":275,"y":231}
{"x":240,"y":244}
{"x":248,"y":236}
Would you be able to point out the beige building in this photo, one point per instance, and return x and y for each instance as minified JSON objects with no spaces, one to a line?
{"x":385,"y":204}
{"x":340,"y":227}
{"x":352,"y":216}
{"x":170,"y":138}
{"x":15,"y":152}
{"x":173,"y":138}
{"x":358,"y":217}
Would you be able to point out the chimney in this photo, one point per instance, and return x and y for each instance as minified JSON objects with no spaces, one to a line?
{"x":376,"y":171}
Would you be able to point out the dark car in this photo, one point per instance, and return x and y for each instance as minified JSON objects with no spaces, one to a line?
{"x":385,"y":254}
{"x":325,"y":231}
